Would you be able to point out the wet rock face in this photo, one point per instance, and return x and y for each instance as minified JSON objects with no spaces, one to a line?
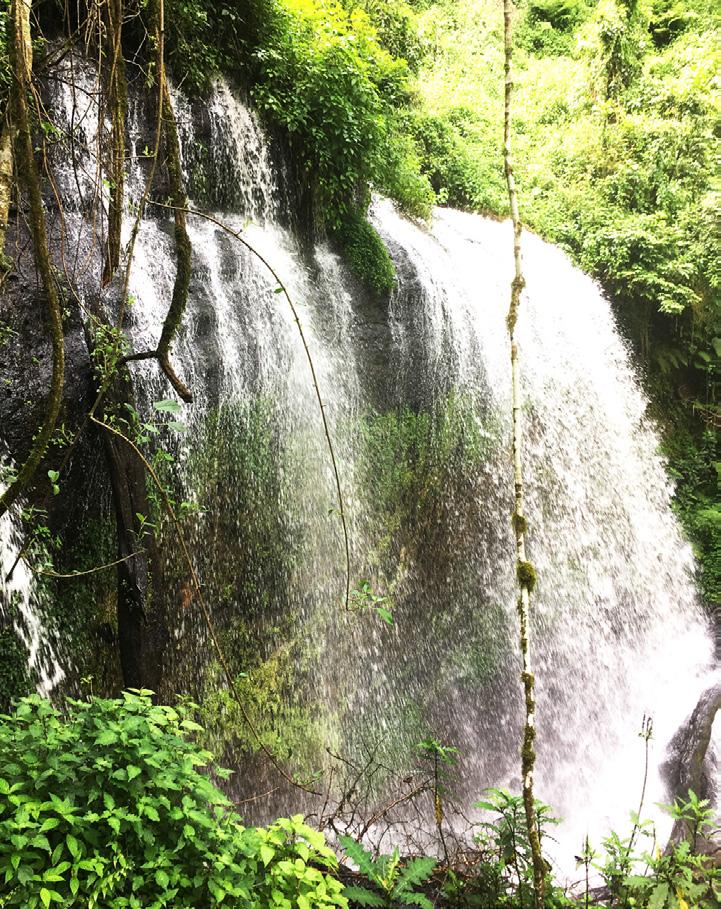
{"x":26,"y":355}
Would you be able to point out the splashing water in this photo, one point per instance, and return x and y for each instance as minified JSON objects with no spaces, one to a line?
{"x":23,"y":605}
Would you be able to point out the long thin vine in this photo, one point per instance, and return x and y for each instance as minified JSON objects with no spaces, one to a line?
{"x":183,"y":247}
{"x":118,"y":105}
{"x":524,"y":569}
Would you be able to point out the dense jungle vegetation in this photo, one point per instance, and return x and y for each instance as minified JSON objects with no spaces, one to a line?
{"x":617,"y":119}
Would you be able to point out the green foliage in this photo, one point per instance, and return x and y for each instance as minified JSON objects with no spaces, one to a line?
{"x":320,"y":73}
{"x":363,"y":597}
{"x":109,"y":345}
{"x":366,"y":254}
{"x":620,"y":31}
{"x":397,"y":27}
{"x":696,"y":466}
{"x":669,"y":18}
{"x":507,"y":851}
{"x":460,"y":176}
{"x":674,"y":879}
{"x":548,"y":27}
{"x":335,"y":79}
{"x":106,"y":805}
{"x":438,"y":753}
{"x":396,"y":880}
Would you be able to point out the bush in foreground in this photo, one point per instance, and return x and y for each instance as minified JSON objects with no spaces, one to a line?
{"x":106,"y":805}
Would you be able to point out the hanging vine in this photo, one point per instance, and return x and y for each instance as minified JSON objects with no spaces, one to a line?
{"x":6,"y":183}
{"x":525,"y":571}
{"x":117,"y":91}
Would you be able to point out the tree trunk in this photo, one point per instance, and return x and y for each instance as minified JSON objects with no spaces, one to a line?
{"x":141,"y":628}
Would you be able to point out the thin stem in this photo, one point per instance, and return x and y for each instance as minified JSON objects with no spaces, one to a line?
{"x":79,"y":574}
{"x":525,"y":571}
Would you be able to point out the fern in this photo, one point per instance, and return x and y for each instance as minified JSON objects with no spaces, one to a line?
{"x":413,"y":899}
{"x":386,"y":872}
{"x":360,"y":856}
{"x":363,"y":897}
{"x":415,"y":872}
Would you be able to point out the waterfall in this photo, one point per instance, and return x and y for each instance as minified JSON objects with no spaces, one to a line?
{"x":417,"y":387}
{"x":24,"y":606}
{"x":618,"y":632}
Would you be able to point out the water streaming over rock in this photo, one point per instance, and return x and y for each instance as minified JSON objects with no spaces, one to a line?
{"x":417,"y":395}
{"x":23,"y":608}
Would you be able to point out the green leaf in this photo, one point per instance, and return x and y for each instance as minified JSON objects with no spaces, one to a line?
{"x":363,"y":897}
{"x":385,"y":615}
{"x":357,"y":854}
{"x":658,"y":896}
{"x":413,"y":899}
{"x":167,"y":406}
{"x":73,"y":845}
{"x":162,"y":878}
{"x":417,"y":871}
{"x":45,"y":896}
{"x":266,"y":853}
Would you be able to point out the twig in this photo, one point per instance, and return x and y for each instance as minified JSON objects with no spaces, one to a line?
{"x":79,"y":574}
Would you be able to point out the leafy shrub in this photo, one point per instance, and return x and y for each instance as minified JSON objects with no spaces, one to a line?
{"x":397,"y":28}
{"x":669,"y":18}
{"x":105,"y":806}
{"x":561,"y":14}
{"x":549,"y":25}
{"x":320,"y":73}
{"x":324,"y":74}
{"x":671,"y":879}
{"x":396,"y":880}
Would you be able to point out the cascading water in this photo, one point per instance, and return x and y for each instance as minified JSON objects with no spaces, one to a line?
{"x":23,"y":606}
{"x":418,"y":388}
{"x":617,"y":630}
